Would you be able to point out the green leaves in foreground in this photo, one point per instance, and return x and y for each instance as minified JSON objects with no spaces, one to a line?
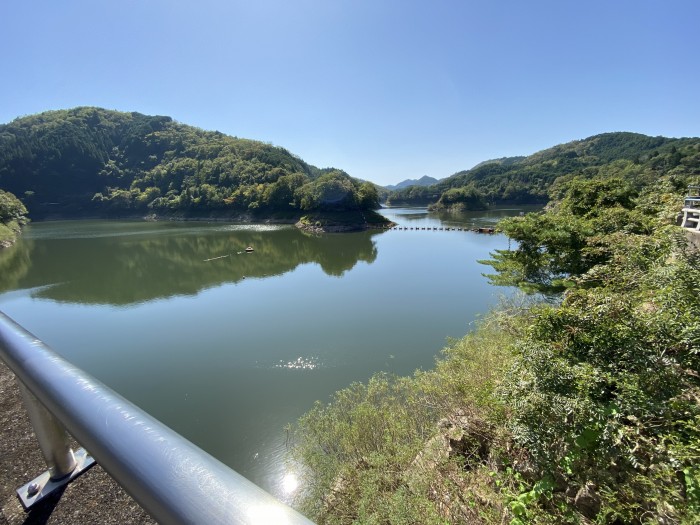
{"x":605,"y":388}
{"x":355,"y":449}
{"x":564,"y":242}
{"x":376,"y":454}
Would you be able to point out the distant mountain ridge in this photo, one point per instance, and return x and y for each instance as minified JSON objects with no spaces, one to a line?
{"x":425,"y":180}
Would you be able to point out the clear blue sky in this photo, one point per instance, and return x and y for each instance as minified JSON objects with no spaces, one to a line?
{"x":384,"y":89}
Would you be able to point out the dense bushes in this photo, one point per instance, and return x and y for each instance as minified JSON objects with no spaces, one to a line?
{"x":373,"y":454}
{"x":605,"y":387}
{"x":12,"y":217}
{"x":11,"y":208}
{"x":571,"y":236}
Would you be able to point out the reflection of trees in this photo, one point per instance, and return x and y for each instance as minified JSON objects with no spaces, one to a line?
{"x":131,"y":269}
{"x":336,"y":255}
{"x":14,"y":264}
{"x":460,"y":219}
{"x":409,"y":217}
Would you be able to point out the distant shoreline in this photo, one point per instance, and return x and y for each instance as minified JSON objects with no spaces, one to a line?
{"x":318,"y":222}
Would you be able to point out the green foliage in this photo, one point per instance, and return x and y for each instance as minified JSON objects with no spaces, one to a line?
{"x":8,"y":234}
{"x":523,"y":505}
{"x":11,"y":208}
{"x":605,"y":386}
{"x":637,"y":159}
{"x":460,"y":199}
{"x":548,"y":252}
{"x":89,"y":160}
{"x":368,"y":196}
{"x":574,"y":235}
{"x":587,"y":407}
{"x":414,"y":195}
{"x":375,"y":453}
{"x":333,"y":191}
{"x":12,"y":217}
{"x":357,"y":446}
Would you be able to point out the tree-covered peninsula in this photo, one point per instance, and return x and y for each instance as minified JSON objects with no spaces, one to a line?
{"x":577,"y":405}
{"x":94,"y":162}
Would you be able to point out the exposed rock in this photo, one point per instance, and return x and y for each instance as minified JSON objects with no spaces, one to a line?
{"x":457,"y":437}
{"x":693,"y":240}
{"x":463,"y":438}
{"x":318,"y":227}
{"x":587,"y":501}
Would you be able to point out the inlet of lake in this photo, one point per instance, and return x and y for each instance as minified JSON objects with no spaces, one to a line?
{"x":227,"y":347}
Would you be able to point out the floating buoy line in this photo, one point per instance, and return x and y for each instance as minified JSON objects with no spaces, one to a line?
{"x":488,"y":229}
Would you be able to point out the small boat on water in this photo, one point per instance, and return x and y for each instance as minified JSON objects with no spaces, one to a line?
{"x":249,"y":249}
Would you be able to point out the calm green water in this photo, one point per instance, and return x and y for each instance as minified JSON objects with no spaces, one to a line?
{"x":227,"y":347}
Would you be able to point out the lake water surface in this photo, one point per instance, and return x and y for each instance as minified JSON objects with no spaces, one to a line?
{"x":228,"y":347}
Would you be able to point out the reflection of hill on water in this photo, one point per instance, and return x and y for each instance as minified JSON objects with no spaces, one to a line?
{"x":133,"y":269}
{"x":14,"y":264}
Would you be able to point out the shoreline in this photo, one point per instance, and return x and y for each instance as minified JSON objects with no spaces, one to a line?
{"x":316,"y":223}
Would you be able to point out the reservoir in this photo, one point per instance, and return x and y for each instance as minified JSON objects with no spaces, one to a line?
{"x":227,"y":347}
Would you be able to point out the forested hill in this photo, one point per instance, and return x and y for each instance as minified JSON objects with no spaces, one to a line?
{"x":87,"y":161}
{"x":90,"y":161}
{"x":637,"y":158}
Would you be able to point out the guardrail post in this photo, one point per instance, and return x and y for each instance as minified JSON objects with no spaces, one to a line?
{"x":63,"y":464}
{"x":52,"y":437}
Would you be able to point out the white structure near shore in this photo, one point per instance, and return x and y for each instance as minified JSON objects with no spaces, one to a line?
{"x":691,"y":209}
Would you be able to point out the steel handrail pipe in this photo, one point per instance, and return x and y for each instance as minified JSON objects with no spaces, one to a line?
{"x":175,"y":481}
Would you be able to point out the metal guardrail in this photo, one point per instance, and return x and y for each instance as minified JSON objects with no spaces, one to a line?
{"x":172,"y":479}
